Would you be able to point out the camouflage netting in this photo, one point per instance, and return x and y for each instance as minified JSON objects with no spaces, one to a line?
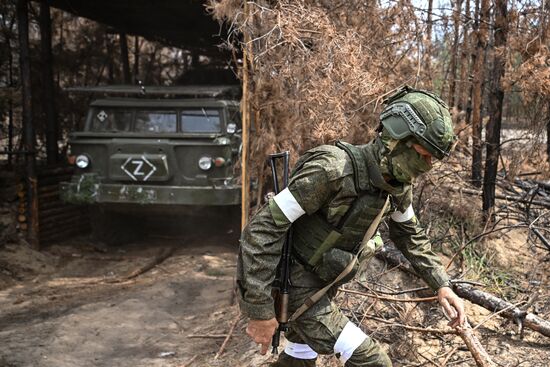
{"x":319,"y":69}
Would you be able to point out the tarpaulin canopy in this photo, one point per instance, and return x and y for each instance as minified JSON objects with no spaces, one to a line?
{"x":181,"y":23}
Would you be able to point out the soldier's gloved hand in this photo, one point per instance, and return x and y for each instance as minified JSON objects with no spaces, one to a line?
{"x":261,"y":331}
{"x":452,"y":305}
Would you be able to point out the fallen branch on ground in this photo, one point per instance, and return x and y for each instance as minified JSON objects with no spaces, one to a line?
{"x":385,"y":298}
{"x":156,"y":261}
{"x":479,"y":353}
{"x":480,"y":298}
{"x":229,"y":334}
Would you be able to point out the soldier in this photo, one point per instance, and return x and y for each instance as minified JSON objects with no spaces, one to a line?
{"x":334,"y":194}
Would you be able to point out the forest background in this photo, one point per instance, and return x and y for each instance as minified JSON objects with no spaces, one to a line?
{"x":318,"y":70}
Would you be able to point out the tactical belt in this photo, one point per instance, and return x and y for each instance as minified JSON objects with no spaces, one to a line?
{"x":320,"y":293}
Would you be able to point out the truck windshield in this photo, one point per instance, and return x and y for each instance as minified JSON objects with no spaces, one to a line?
{"x":200,"y":120}
{"x":156,"y":121}
{"x":111,"y":120}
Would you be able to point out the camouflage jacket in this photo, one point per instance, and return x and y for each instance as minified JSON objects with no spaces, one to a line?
{"x":324,"y":181}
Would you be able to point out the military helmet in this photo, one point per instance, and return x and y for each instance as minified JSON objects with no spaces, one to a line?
{"x":422,"y":115}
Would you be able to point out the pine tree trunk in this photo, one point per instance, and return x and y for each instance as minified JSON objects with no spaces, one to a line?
{"x":548,"y":136}
{"x":428,"y":55}
{"x":29,"y":144}
{"x":464,"y":62}
{"x":477,"y":92}
{"x":495,"y":106}
{"x":124,"y":59}
{"x":48,"y":90}
{"x":454,"y":54}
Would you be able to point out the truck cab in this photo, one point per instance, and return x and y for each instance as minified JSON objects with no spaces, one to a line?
{"x":157,"y":152}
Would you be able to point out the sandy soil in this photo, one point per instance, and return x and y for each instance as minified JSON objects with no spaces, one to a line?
{"x":71,"y":305}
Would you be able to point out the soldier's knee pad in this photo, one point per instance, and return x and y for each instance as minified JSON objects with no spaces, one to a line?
{"x":355,"y":348}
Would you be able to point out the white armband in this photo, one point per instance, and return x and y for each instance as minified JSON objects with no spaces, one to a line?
{"x":300,"y":351}
{"x":399,"y":217}
{"x":288,"y":205}
{"x":350,"y":339}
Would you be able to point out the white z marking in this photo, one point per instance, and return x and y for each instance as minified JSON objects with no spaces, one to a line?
{"x":137,"y":171}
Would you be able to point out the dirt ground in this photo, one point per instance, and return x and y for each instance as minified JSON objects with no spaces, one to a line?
{"x":80,"y":303}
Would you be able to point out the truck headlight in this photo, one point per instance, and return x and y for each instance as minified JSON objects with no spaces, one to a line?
{"x":205,"y":163}
{"x":82,"y":161}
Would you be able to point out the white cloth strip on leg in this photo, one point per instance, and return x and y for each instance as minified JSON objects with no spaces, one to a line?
{"x":288,"y":205}
{"x":399,"y":217}
{"x":300,"y":351}
{"x":350,"y":338}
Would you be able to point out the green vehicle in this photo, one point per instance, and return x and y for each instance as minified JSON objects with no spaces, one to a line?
{"x":147,"y":154}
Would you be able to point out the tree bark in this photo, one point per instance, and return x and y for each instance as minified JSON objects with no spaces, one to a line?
{"x":548,"y":136}
{"x":28,"y":128}
{"x":48,"y":90}
{"x":124,"y":58}
{"x":479,"y":353}
{"x":477,"y":95}
{"x":428,"y":55}
{"x":464,"y":61}
{"x":10,"y":102}
{"x":495,"y":105}
{"x":454,"y":53}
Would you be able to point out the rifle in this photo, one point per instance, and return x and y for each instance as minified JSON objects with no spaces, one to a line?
{"x":281,"y":299}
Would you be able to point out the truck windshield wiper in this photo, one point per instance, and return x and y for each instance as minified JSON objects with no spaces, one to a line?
{"x":205,"y":114}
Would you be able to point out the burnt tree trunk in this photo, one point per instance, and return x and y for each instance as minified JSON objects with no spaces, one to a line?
{"x":548,"y":136}
{"x":454,"y":53}
{"x":473,"y":57}
{"x":124,"y":58}
{"x":477,"y":94}
{"x":495,"y":106}
{"x":10,"y":101}
{"x":28,"y":129}
{"x":48,"y":90}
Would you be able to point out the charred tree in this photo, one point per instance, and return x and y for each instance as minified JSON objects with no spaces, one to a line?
{"x":28,"y":128}
{"x":48,"y":90}
{"x":124,"y":58}
{"x":477,"y":92}
{"x":495,"y":105}
{"x":454,"y":53}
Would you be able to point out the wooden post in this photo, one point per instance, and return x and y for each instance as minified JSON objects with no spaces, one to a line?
{"x":245,"y":106}
{"x":48,"y":91}
{"x":28,"y":129}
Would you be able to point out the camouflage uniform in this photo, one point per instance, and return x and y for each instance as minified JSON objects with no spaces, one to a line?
{"x":324,"y":188}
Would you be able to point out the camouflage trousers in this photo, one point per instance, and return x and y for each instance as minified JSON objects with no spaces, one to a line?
{"x":324,"y":329}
